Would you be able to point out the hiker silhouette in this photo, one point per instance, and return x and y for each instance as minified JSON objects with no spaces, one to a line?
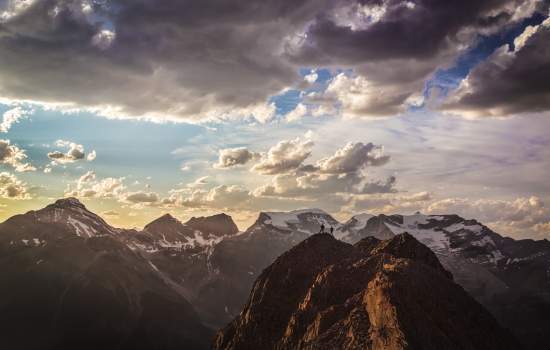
{"x":332,"y":230}
{"x":322,"y":228}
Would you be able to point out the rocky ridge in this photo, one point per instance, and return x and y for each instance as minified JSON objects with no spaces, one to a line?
{"x":327,"y":294}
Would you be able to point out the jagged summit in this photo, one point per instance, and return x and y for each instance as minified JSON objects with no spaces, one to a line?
{"x":69,"y":215}
{"x":166,"y":218}
{"x":393,"y":294}
{"x":67,"y":203}
{"x":218,"y":225}
{"x":167,"y":232}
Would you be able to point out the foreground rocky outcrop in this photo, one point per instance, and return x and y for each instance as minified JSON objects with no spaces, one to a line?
{"x":392,"y":294}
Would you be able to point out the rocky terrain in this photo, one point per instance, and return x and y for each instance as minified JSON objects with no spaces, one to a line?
{"x":68,"y":281}
{"x":327,"y":294}
{"x":509,"y":277}
{"x":209,"y":267}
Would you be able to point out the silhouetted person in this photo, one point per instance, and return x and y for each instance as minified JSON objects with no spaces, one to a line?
{"x":322,"y":228}
{"x":332,"y":230}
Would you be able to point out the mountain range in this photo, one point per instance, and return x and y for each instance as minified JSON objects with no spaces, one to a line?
{"x":171,"y":284}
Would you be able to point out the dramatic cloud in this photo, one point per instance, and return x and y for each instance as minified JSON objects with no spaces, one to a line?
{"x":512,"y":80}
{"x":353,"y":157}
{"x":297,"y":113}
{"x":227,"y":196}
{"x":231,"y":157}
{"x":360,"y":97}
{"x":417,"y":197}
{"x":141,"y":197}
{"x":395,"y":46}
{"x":103,"y":39}
{"x":285,"y":156}
{"x":342,"y":172}
{"x":218,"y":197}
{"x":200,"y":182}
{"x":91,"y":156}
{"x":386,"y":186}
{"x":14,"y":156}
{"x":207,"y":59}
{"x":187,"y":60}
{"x":12,"y":188}
{"x":311,"y":77}
{"x":328,"y":181}
{"x":75,"y":152}
{"x":13,"y":116}
{"x":88,"y":186}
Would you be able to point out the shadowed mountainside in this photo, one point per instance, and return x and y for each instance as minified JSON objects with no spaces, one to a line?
{"x":68,"y":282}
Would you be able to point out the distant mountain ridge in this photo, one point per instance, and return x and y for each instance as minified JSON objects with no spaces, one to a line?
{"x":211,"y":266}
{"x":69,"y":281}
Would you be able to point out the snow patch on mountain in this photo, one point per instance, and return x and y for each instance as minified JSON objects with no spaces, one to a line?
{"x":461,"y":226}
{"x":80,"y":227}
{"x":437,"y":240}
{"x":362,"y":219}
{"x":300,"y":220}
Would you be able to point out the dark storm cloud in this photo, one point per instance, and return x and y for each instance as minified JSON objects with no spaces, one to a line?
{"x":386,"y":186}
{"x":198,"y":59}
{"x":174,"y":57}
{"x":404,"y":43}
{"x":510,"y":81}
{"x":405,"y":30}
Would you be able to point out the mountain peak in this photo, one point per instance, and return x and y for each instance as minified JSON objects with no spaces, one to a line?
{"x":70,"y":213}
{"x":404,"y":245}
{"x":163,"y":221}
{"x":218,"y":224}
{"x":326,"y":294}
{"x":166,"y":217}
{"x":69,"y":202}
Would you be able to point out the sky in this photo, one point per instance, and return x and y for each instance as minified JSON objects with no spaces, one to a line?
{"x":142,"y":107}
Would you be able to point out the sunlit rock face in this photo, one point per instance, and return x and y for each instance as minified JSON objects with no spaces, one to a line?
{"x":326,"y":294}
{"x":509,"y":277}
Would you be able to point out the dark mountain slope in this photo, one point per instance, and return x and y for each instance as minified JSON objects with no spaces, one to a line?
{"x":67,"y":282}
{"x":218,"y":225}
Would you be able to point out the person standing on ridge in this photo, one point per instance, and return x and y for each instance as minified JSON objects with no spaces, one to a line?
{"x":322,"y":228}
{"x":332,"y":230}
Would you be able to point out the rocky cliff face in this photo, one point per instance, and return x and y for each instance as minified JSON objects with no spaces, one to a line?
{"x":217,"y":225}
{"x":393,"y":294}
{"x":509,"y":277}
